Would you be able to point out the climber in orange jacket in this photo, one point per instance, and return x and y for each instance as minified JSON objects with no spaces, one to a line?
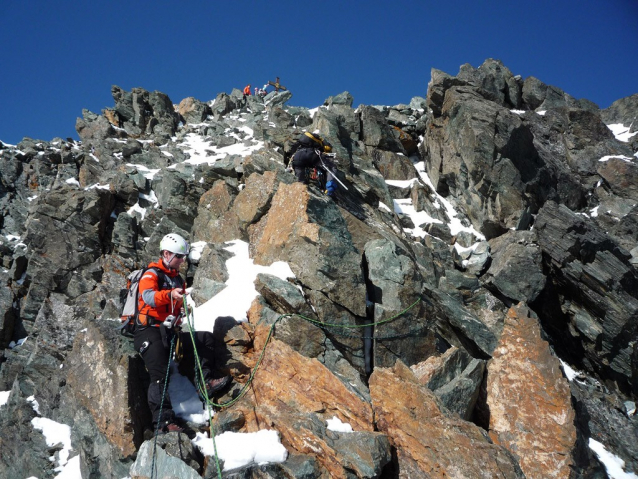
{"x":161,"y":300}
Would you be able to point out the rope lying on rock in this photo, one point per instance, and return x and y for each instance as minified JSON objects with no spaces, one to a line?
{"x":199,"y":376}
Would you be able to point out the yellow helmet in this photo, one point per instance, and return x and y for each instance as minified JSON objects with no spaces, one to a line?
{"x":327,"y":148}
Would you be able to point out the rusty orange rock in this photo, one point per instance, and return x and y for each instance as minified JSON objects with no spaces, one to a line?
{"x":296,"y":395}
{"x":529,"y":399}
{"x":429,"y":443}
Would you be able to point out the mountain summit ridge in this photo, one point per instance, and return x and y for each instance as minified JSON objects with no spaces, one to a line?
{"x":486,"y":239}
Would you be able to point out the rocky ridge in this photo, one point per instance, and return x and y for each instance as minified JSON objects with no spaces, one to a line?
{"x":492,"y":221}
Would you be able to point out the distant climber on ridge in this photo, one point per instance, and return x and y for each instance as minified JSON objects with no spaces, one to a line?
{"x":247,"y":91}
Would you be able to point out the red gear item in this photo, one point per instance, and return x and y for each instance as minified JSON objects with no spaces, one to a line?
{"x":164,"y":305}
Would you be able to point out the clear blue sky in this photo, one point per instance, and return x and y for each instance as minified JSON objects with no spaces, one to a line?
{"x":60,"y":57}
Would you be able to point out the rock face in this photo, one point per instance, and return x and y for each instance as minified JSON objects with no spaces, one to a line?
{"x":482,"y":232}
{"x":430,"y":443}
{"x":529,"y":399}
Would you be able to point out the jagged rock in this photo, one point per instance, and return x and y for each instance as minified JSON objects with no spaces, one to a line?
{"x":503,"y":151}
{"x":394,"y":289}
{"x":467,"y":328}
{"x":64,"y":232}
{"x":490,"y":159}
{"x":393,"y":166}
{"x":599,"y":289}
{"x":285,"y":299}
{"x":474,"y":259}
{"x":92,"y":127}
{"x":7,"y":312}
{"x":341,"y":126}
{"x":622,"y":177}
{"x":533,"y":92}
{"x":494,"y":78}
{"x":429,"y":443}
{"x":223,"y":104}
{"x":143,"y":112}
{"x":281,"y":118}
{"x":154,"y":461}
{"x":516,"y":271}
{"x":277,"y":99}
{"x":377,"y":133}
{"x":622,"y":111}
{"x":299,"y":395}
{"x":215,"y":220}
{"x":601,"y":416}
{"x":529,"y":400}
{"x":193,"y":110}
{"x":101,"y":361}
{"x":342,"y":99}
{"x":439,"y":83}
{"x":299,"y":222}
{"x":454,"y":377}
{"x":297,"y":465}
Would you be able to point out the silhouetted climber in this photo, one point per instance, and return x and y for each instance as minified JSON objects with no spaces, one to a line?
{"x":309,"y":151}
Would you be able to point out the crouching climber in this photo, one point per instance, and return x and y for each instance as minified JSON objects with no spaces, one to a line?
{"x":161,"y":299}
{"x":311,"y":151}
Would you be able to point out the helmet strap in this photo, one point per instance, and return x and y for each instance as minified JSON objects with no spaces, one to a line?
{"x":168,"y":262}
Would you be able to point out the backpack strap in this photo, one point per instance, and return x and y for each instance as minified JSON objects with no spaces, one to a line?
{"x":314,"y":138}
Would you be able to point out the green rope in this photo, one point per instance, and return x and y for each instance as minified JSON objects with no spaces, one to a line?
{"x":202,"y":386}
{"x":321,"y":324}
{"x":201,"y":383}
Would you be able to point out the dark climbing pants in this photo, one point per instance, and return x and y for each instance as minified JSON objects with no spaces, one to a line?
{"x":302,"y":159}
{"x":154,"y":346}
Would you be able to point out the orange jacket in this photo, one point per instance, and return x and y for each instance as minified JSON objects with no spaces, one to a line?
{"x":247,"y":90}
{"x":155,"y":298}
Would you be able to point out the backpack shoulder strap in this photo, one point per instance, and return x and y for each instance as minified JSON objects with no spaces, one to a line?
{"x":313,"y":138}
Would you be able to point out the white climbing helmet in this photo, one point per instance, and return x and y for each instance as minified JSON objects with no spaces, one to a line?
{"x":174,"y":243}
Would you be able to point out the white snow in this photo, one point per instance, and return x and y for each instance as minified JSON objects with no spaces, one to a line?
{"x":336,"y":425}
{"x":4,"y":397}
{"x":570,"y":373}
{"x":240,"y":449}
{"x":55,"y":433}
{"x":406,"y":207}
{"x":613,"y":464}
{"x":148,"y":173}
{"x":620,"y":157}
{"x":196,"y":251}
{"x":621,"y":132}
{"x":235,"y":299}
{"x":202,"y":152}
{"x":136,"y":208}
{"x":98,"y":186}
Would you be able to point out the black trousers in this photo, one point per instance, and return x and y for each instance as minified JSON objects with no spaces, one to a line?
{"x":154,"y":346}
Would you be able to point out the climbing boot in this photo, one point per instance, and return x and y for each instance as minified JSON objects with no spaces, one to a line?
{"x":215,"y":385}
{"x":171,"y":427}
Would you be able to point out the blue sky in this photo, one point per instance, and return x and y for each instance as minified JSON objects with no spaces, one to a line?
{"x":60,"y":57}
